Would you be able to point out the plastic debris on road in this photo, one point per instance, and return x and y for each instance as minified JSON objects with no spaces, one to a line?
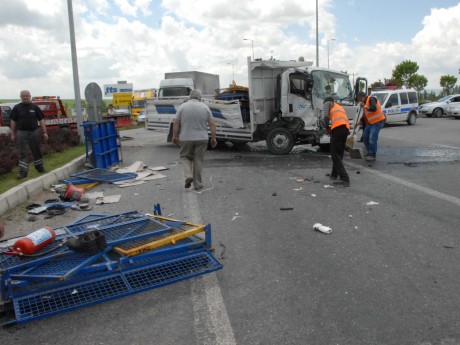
{"x":372,"y":203}
{"x":322,"y":228}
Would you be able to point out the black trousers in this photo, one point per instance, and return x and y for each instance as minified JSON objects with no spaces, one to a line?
{"x":29,"y":140}
{"x":338,"y":140}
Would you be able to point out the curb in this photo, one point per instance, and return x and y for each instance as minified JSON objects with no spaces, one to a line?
{"x":16,"y":195}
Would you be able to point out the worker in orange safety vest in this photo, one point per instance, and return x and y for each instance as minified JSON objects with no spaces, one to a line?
{"x":374,"y":119}
{"x":335,"y":115}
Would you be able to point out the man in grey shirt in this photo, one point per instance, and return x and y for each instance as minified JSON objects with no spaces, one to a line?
{"x":190,"y":131}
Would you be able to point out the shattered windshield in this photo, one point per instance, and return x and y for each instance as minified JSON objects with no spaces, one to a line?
{"x":328,"y":83}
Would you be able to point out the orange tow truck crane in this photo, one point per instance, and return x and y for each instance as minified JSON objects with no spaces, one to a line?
{"x":55,"y":114}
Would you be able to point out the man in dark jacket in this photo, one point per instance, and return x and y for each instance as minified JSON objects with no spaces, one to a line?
{"x":25,"y":118}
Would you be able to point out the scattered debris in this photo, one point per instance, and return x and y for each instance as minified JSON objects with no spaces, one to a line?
{"x":31,"y":218}
{"x":274,"y":194}
{"x":328,"y":186}
{"x":94,"y":195}
{"x":286,"y":208}
{"x":135,"y":167}
{"x":112,"y":199}
{"x":300,"y":180}
{"x":223,"y":250}
{"x":449,"y":247}
{"x":160,"y":168}
{"x":235,"y":217}
{"x":371,"y":203}
{"x":82,"y":205}
{"x":322,"y":228}
{"x":32,"y":206}
{"x":313,"y":195}
{"x":130,"y":184}
{"x":350,"y":216}
{"x":38,"y":210}
{"x":297,"y":189}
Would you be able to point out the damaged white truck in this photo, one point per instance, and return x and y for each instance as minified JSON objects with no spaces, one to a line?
{"x":283,"y":106}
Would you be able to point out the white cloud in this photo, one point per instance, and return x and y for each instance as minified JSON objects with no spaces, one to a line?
{"x":132,"y":42}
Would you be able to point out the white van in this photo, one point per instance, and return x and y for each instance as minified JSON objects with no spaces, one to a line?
{"x":398,"y":105}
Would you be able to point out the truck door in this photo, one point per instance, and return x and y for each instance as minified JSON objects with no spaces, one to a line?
{"x":296,"y":97}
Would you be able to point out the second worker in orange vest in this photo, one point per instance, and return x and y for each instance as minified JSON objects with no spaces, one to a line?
{"x":340,"y":129}
{"x":374,"y":119}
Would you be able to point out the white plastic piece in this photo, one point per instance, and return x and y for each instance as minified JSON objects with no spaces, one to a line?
{"x":371,"y":203}
{"x":313,"y":195}
{"x":322,"y":228}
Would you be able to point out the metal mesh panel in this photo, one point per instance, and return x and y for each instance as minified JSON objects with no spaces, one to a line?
{"x":178,"y":269}
{"x":69,"y":298}
{"x":77,"y":294}
{"x":102,"y":175}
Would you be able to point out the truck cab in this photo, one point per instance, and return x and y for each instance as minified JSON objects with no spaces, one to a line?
{"x":177,"y":87}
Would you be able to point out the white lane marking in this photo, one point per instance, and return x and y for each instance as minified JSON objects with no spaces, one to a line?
{"x":452,"y":199}
{"x":212,"y":325}
{"x":447,"y":146}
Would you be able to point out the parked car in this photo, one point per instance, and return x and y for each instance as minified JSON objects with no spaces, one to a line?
{"x":438,"y":108}
{"x":5,"y":111}
{"x":141,"y":116}
{"x":453,"y":109}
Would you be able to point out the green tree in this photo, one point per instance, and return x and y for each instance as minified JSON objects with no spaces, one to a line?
{"x":377,"y":83}
{"x":419,"y":82}
{"x":447,"y":82}
{"x":404,"y":73}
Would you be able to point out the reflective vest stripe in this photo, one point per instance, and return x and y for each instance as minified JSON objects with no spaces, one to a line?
{"x":374,"y":116}
{"x":338,"y":117}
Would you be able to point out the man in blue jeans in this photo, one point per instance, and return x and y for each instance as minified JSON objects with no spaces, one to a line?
{"x":374,"y":119}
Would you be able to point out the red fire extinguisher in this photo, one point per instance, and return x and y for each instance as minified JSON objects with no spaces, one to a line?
{"x":35,"y":241}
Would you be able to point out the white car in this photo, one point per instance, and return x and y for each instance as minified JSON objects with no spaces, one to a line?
{"x":438,"y":108}
{"x":141,"y":116}
{"x":453,"y":109}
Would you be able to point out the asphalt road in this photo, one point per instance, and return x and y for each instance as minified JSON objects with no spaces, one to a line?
{"x":387,"y":274}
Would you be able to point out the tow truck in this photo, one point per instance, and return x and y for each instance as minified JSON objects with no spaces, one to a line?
{"x":55,"y":114}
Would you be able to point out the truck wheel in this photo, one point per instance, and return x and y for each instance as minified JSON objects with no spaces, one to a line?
{"x":411,"y":119}
{"x":280,"y":141}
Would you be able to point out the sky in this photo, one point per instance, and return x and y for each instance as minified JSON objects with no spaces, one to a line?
{"x":139,"y":40}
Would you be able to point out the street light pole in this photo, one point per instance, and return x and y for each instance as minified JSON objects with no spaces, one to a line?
{"x":233,"y":71}
{"x":332,"y":39}
{"x":252,"y":45}
{"x":76,"y":80}
{"x":317,"y":48}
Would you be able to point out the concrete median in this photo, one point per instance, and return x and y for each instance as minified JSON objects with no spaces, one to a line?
{"x":16,"y":195}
